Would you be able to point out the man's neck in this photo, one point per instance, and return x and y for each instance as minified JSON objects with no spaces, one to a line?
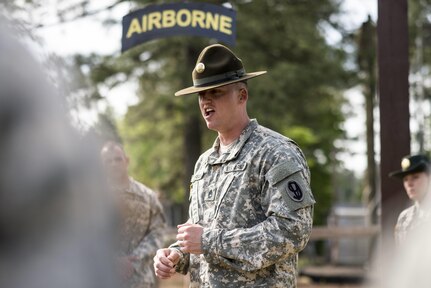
{"x":122,"y":183}
{"x":229,"y":136}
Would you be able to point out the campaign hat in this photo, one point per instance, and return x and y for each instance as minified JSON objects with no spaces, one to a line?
{"x":217,"y":66}
{"x":412,"y":164}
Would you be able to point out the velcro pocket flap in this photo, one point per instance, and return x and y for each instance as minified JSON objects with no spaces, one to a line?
{"x":281,"y":171}
{"x":235,"y":167}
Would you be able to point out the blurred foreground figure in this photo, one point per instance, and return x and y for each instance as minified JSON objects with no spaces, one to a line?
{"x":142,"y":220}
{"x":415,"y":175}
{"x":55,"y":219}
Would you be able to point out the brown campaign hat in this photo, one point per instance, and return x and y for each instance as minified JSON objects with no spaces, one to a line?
{"x":412,"y":164}
{"x":217,"y":66}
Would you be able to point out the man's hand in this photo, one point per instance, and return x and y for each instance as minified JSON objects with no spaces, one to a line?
{"x":164,"y":262}
{"x":189,"y":238}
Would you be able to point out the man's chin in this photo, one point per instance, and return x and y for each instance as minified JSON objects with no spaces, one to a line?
{"x":211,"y":126}
{"x":414,"y":197}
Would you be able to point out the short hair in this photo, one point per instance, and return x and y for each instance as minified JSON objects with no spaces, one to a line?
{"x":108,"y":145}
{"x":245,"y":82}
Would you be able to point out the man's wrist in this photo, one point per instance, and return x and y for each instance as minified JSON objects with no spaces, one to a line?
{"x":178,"y":250}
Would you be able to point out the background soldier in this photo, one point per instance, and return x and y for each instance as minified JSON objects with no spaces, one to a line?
{"x":251,"y":203}
{"x":142,"y":220}
{"x":414,"y":172}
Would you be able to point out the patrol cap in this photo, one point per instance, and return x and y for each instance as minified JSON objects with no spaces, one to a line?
{"x":412,"y":164}
{"x":217,"y":66}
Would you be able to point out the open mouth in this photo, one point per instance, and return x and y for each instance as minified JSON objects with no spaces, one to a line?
{"x":208,"y":112}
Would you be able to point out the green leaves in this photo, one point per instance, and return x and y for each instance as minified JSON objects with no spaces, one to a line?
{"x":299,"y":97}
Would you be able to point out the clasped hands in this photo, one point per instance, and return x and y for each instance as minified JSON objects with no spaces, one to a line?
{"x":189,"y":239}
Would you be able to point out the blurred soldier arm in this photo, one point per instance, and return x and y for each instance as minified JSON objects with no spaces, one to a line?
{"x":147,"y":248}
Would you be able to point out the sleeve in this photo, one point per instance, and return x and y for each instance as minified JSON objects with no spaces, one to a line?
{"x":149,"y":245}
{"x":184,"y":262}
{"x":288,"y":204}
{"x":400,"y":230}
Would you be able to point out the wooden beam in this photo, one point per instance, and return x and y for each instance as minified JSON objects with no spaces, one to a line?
{"x":326,"y":232}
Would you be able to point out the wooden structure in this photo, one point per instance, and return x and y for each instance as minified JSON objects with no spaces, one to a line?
{"x":325,"y":232}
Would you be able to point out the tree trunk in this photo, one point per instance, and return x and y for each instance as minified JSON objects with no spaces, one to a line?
{"x":367,"y":65}
{"x":392,"y":30}
{"x":371,"y":163}
{"x":192,"y":133}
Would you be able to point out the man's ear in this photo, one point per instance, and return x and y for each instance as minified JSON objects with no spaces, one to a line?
{"x":243,"y":95}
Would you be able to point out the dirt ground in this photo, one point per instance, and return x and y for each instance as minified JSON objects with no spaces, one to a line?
{"x":179,"y":281}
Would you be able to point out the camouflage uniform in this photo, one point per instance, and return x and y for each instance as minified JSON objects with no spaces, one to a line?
{"x":410,"y":220}
{"x":142,"y":228}
{"x":255,"y":205}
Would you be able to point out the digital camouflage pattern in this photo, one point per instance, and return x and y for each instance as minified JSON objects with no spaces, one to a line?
{"x":142,"y":228}
{"x":410,"y":220}
{"x":256,"y":206}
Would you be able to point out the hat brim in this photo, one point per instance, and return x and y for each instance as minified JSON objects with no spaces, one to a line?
{"x":420,"y":167}
{"x":193,"y":89}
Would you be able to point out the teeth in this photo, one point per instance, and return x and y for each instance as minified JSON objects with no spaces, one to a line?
{"x":209,"y":110}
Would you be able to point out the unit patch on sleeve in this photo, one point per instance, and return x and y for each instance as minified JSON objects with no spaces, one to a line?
{"x":294,"y":191}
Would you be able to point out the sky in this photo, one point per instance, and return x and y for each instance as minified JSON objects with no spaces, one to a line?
{"x":89,"y":35}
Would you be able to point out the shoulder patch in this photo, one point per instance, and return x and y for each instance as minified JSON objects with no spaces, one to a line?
{"x":294,"y":191}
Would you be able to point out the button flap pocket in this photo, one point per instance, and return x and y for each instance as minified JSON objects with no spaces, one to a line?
{"x":235,"y":167}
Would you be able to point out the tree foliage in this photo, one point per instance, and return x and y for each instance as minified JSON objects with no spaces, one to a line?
{"x":300,"y":96}
{"x":420,"y":69}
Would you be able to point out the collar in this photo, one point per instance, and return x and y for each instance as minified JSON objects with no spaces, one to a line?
{"x":124,"y":188}
{"x":215,"y":158}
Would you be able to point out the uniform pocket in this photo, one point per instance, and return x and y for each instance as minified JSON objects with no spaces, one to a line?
{"x":195,"y":186}
{"x":230,"y":172}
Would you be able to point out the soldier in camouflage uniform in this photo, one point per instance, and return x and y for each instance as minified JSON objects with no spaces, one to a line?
{"x":415,"y":175}
{"x":142,"y":220}
{"x":251,"y":204}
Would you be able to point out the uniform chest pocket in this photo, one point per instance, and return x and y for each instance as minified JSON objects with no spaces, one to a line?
{"x":195,"y":186}
{"x":230,"y":172}
{"x":239,"y":167}
{"x":216,"y":190}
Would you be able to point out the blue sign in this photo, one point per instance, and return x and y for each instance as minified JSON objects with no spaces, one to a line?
{"x":158,"y":21}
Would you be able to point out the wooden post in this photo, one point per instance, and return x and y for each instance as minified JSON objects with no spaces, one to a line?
{"x":392,"y":31}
